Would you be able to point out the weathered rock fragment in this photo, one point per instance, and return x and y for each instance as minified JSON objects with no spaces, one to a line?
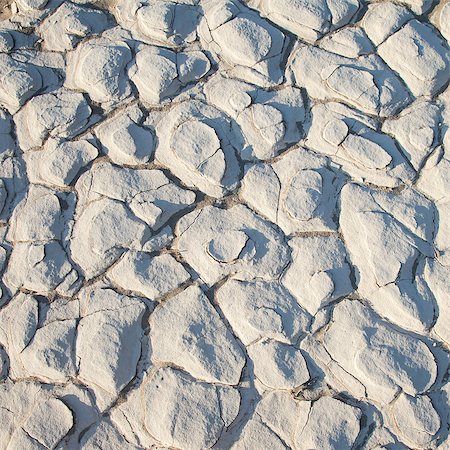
{"x":105,"y":431}
{"x":39,"y":216}
{"x":434,"y":179}
{"x":444,"y":19}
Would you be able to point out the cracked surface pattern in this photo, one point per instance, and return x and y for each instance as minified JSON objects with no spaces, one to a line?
{"x":224,"y":224}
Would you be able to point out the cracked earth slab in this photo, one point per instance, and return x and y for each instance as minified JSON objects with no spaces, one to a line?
{"x":224,"y":224}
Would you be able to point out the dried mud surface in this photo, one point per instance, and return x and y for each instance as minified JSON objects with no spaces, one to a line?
{"x":224,"y":224}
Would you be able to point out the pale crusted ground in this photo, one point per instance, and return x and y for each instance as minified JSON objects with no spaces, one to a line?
{"x":224,"y":225}
{"x":5,"y":10}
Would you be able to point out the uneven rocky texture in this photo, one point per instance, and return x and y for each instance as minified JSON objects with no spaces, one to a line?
{"x":224,"y":224}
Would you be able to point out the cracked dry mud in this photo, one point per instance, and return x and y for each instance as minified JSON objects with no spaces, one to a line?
{"x":224,"y":224}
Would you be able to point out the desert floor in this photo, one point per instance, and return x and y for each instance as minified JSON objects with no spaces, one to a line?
{"x":224,"y":224}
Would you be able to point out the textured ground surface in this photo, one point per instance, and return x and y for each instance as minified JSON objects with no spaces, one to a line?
{"x":224,"y":225}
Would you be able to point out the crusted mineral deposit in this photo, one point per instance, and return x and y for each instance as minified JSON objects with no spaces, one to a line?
{"x":224,"y":224}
